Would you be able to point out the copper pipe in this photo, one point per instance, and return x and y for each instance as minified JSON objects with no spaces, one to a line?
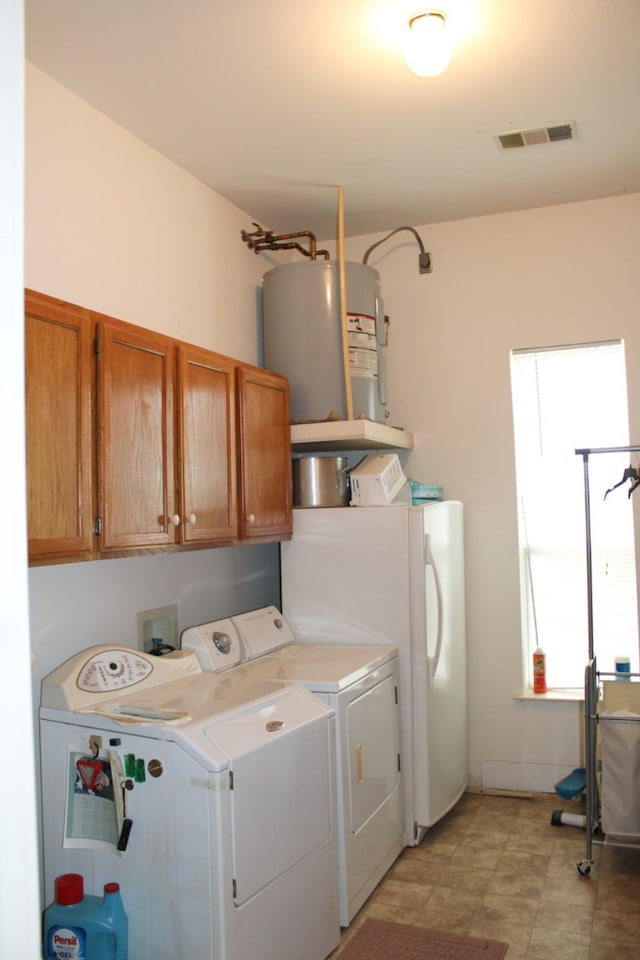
{"x":261,"y":239}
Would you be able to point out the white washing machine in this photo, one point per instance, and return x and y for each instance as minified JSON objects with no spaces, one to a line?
{"x":210,"y":800}
{"x":361,"y":684}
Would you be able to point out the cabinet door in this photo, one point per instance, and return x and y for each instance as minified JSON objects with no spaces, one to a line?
{"x":206,"y":446}
{"x":136,"y":375}
{"x":59,"y":378}
{"x":264,"y":454}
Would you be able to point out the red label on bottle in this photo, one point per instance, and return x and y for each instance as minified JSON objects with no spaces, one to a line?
{"x":66,"y":943}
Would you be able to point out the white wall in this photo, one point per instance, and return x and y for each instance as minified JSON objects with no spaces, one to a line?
{"x":19,"y":902}
{"x":556,"y":275}
{"x":114,"y":226}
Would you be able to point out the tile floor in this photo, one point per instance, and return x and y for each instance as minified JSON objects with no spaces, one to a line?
{"x":495,"y":867}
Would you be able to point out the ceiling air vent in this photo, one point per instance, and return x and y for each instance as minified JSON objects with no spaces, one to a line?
{"x":527,"y":138}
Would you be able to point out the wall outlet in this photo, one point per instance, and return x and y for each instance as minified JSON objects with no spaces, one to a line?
{"x":161,"y":623}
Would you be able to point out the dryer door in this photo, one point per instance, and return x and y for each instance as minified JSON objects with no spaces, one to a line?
{"x":373,"y":751}
{"x":282,"y":789}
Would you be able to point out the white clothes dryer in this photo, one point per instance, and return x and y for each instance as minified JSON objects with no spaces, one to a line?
{"x":210,"y":800}
{"x":361,"y":684}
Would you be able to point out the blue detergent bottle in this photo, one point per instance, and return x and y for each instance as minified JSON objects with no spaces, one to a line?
{"x":78,"y":927}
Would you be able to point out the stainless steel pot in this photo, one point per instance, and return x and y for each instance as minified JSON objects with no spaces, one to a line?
{"x":320,"y":482}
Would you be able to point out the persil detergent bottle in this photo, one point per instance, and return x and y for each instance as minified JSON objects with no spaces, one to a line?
{"x":85,"y":928}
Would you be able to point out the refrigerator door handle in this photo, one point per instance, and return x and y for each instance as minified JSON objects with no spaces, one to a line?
{"x":432,"y":661}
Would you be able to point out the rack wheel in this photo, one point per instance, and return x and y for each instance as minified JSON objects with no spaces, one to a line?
{"x":584,"y":868}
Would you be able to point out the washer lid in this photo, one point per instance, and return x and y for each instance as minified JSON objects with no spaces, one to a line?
{"x":281,"y":713}
{"x":323,"y":667}
{"x":214,"y":718}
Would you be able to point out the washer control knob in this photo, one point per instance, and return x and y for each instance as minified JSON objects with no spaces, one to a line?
{"x":222,"y":642}
{"x":155,"y":768}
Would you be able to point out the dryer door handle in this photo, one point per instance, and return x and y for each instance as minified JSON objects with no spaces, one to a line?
{"x":359,"y":763}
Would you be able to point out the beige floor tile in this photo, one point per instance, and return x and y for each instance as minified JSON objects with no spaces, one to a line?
{"x":416,"y":871}
{"x":490,"y":820}
{"x":621,"y":861}
{"x":568,"y":918}
{"x":451,"y":921}
{"x":518,"y":883}
{"x":493,"y":837}
{"x":556,"y":945}
{"x":617,"y":926}
{"x":454,"y":900}
{"x":516,"y":935}
{"x":380,"y":910}
{"x":510,"y":909}
{"x":530,"y":843}
{"x":603,"y":949}
{"x":527,"y":826}
{"x":462,"y":878}
{"x":472,"y":857}
{"x":440,"y":850}
{"x":495,"y":867}
{"x":413,"y":896}
{"x":522,"y":861}
{"x":569,"y":890}
{"x":617,"y":895}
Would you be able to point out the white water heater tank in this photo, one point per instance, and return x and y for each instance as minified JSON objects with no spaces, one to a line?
{"x":302,"y":328}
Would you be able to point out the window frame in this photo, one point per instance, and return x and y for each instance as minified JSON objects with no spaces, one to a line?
{"x":532,"y":548}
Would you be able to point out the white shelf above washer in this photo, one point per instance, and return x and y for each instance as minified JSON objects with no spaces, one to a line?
{"x":349,"y":435}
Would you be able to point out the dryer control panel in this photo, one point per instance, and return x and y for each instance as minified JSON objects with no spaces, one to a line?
{"x":226,"y":643}
{"x":216,"y":645}
{"x":262,"y":631}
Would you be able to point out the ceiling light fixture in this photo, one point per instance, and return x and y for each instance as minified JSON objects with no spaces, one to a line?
{"x":428,"y":49}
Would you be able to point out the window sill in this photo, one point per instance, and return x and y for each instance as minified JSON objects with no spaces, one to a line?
{"x":575,"y":694}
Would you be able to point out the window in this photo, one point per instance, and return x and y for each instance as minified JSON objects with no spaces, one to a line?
{"x":566,"y":398}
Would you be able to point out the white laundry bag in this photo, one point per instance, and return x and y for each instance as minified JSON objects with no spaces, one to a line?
{"x":620,"y":785}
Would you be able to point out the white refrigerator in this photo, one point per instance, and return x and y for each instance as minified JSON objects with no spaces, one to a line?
{"x":394,"y":574}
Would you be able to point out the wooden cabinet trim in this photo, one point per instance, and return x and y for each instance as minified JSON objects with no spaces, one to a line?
{"x":59,"y":425}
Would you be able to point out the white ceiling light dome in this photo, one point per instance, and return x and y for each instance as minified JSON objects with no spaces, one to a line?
{"x":428,"y":48}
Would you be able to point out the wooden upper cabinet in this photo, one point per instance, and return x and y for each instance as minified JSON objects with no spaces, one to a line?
{"x":136,"y":442}
{"x":59,"y":382}
{"x":206,"y":446}
{"x":264,"y":454}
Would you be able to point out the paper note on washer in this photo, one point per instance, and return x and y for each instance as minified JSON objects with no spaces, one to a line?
{"x":94,"y":807}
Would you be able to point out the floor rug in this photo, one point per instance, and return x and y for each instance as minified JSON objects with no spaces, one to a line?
{"x":384,"y":940}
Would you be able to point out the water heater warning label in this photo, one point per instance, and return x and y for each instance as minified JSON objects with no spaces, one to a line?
{"x":361,"y":338}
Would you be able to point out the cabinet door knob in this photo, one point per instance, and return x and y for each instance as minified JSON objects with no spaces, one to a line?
{"x":192,"y":518}
{"x":175,"y":520}
{"x":251,"y":519}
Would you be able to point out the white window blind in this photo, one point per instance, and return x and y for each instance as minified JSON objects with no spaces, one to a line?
{"x":563,"y":399}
